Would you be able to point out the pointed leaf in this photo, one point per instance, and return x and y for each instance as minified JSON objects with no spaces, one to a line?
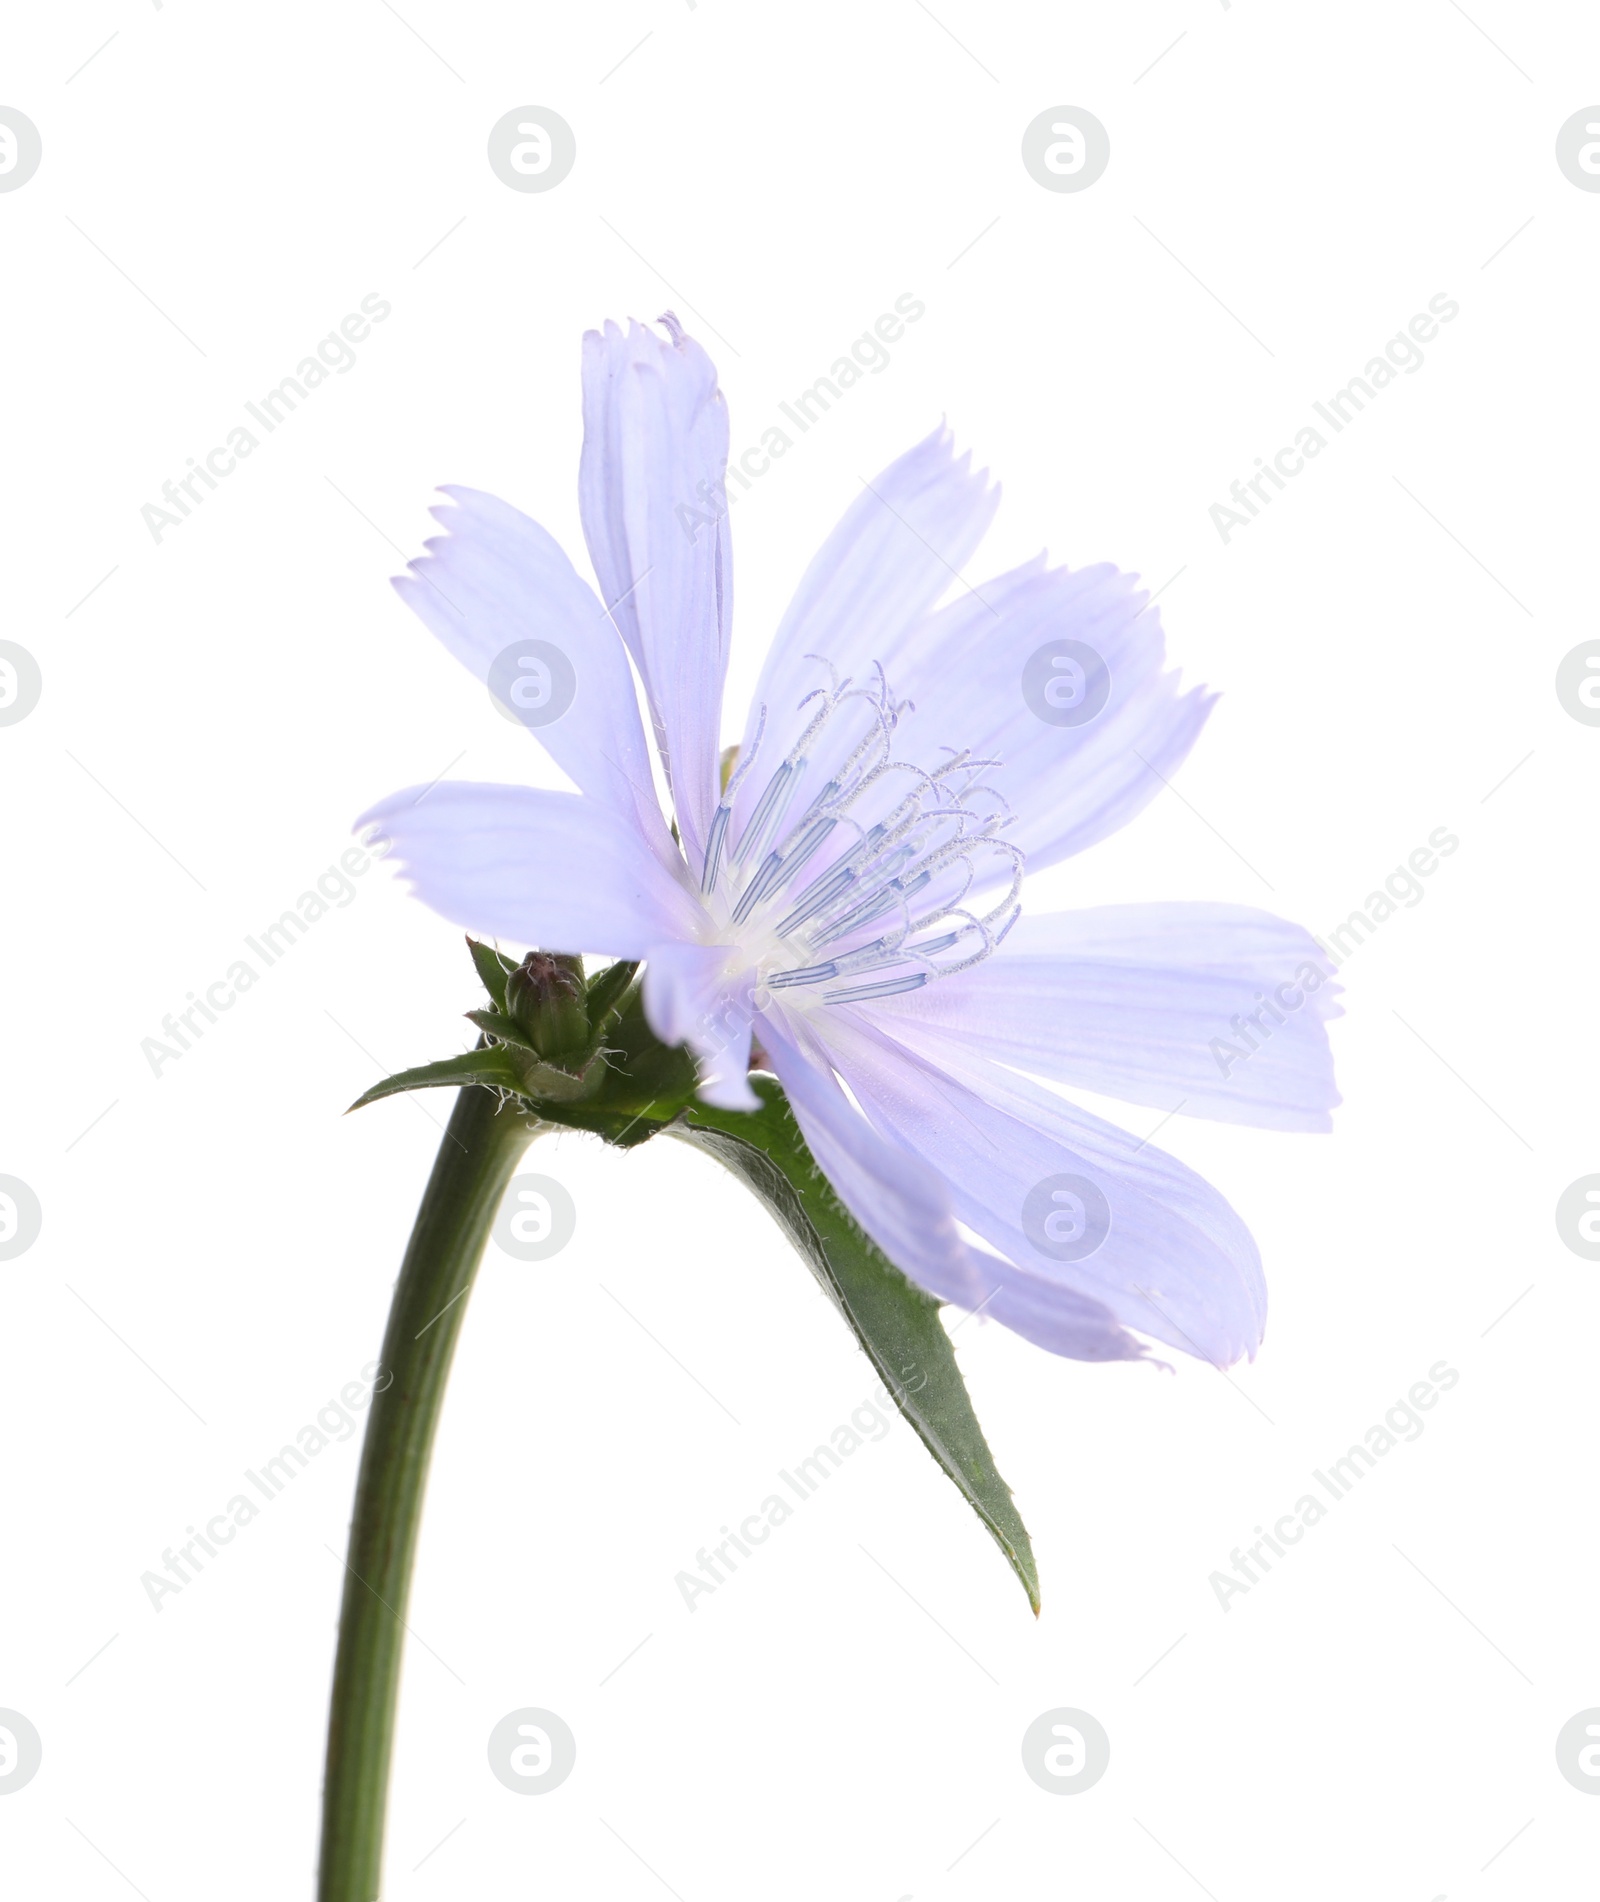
{"x":492,"y":1067}
{"x":607,"y":988}
{"x":506,"y":1029}
{"x":895,"y":1322}
{"x":493,"y":968}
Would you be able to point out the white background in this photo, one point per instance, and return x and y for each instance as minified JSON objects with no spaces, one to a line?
{"x":1378,"y":1717}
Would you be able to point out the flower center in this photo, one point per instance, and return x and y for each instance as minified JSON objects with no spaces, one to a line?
{"x":859,"y":892}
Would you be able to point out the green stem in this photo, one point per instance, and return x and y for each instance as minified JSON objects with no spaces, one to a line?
{"x":476,"y":1160}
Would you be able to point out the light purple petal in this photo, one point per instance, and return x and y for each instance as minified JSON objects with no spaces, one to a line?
{"x":690,"y":998}
{"x":960,"y":712}
{"x":552,"y":870}
{"x":1060,"y":1320}
{"x":655,"y":452}
{"x":899,"y":547}
{"x":1066,"y":786}
{"x":906,"y":1209}
{"x":1211,"y":1010}
{"x":498,"y":579}
{"x":1168,"y":1256}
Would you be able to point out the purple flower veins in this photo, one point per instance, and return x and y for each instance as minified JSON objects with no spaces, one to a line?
{"x":850,"y":904}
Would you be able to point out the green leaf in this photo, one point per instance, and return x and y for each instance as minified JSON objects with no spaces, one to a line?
{"x":506,"y":1029}
{"x":607,"y":989}
{"x":492,"y":1067}
{"x":493,"y":968}
{"x":618,"y":1127}
{"x":896,"y":1323}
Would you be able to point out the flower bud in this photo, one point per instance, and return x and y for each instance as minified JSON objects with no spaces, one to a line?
{"x":545,"y":998}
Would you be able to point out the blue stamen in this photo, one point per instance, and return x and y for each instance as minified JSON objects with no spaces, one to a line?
{"x":890,"y":987}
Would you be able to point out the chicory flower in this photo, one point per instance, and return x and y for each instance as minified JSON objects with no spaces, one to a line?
{"x":843,"y":899}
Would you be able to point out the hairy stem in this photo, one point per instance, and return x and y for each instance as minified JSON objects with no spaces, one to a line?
{"x":476,"y":1160}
